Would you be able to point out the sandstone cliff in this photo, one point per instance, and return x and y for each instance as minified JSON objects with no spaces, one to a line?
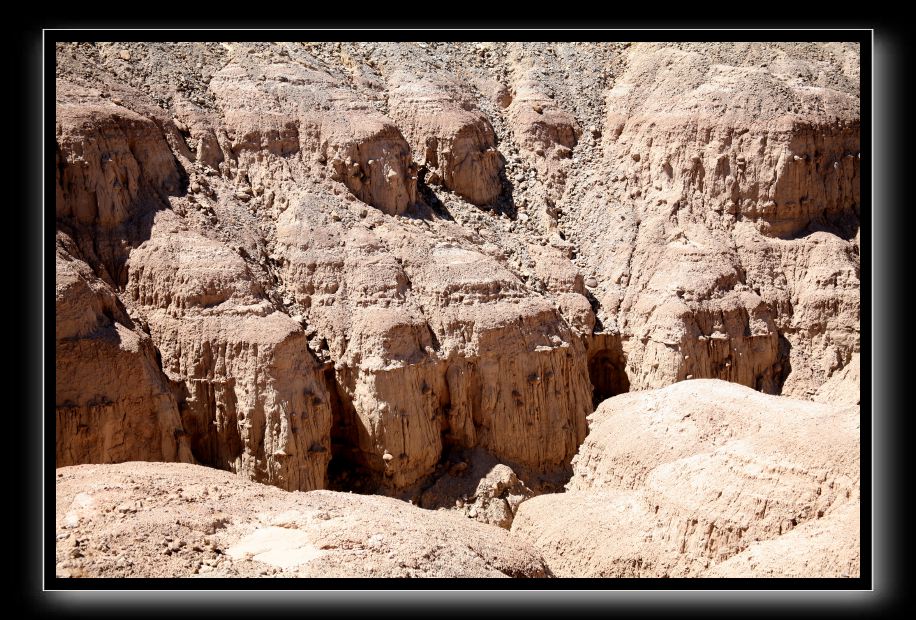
{"x":371,"y":258}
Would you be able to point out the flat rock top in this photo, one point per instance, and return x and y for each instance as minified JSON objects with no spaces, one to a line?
{"x":168,"y":519}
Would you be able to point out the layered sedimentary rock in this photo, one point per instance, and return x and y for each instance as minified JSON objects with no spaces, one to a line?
{"x":114,"y":169}
{"x":170,"y":520}
{"x":593,"y":218}
{"x":724,"y":172}
{"x":676,"y":481}
{"x":436,"y":343}
{"x":449,"y":136}
{"x":113,"y":402}
{"x":252,"y":395}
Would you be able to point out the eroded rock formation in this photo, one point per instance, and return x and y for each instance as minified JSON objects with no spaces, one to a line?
{"x":703,"y":476}
{"x":381,"y":255}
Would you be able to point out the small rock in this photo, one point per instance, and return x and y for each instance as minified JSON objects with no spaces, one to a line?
{"x":124,"y":54}
{"x":591,"y":282}
{"x":387,"y":457}
{"x":335,"y":216}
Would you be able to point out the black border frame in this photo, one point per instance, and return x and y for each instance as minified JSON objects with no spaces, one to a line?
{"x":891,"y":69}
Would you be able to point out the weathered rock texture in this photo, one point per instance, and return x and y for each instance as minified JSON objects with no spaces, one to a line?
{"x":480,"y":488}
{"x":170,"y":520}
{"x":706,"y":477}
{"x":452,"y":139}
{"x":370,"y":256}
{"x":719,"y":210}
{"x":113,"y":402}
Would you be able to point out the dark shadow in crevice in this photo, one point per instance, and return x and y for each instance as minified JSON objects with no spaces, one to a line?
{"x":844,"y":225}
{"x":211,"y":445}
{"x":428,"y":205}
{"x":607,"y":373}
{"x":347,"y":469}
{"x":783,"y":360}
{"x":607,"y":367}
{"x":505,"y":204}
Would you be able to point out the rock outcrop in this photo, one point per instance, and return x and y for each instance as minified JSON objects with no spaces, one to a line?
{"x":169,"y":520}
{"x":678,"y":481}
{"x":479,"y":487}
{"x":371,"y":257}
{"x":719,"y":174}
{"x":113,"y":402}
{"x":453,"y":140}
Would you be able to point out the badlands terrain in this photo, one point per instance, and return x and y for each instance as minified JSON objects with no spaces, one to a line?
{"x":457,"y":309}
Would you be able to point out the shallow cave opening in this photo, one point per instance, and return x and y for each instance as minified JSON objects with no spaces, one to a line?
{"x":608,"y":376}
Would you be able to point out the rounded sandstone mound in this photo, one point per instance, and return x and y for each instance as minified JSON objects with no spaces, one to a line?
{"x":706,"y":478}
{"x":167,"y":520}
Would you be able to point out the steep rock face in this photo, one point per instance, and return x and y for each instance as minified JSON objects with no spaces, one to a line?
{"x":817,"y":303}
{"x":449,"y":136}
{"x":253,"y":398}
{"x":286,"y":110}
{"x":114,"y":169}
{"x":112,"y":401}
{"x":168,"y":520}
{"x":689,"y":476}
{"x":435,"y":343}
{"x":653,"y":225}
{"x":723,"y":171}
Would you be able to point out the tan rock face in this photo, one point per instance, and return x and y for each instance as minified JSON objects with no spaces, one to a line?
{"x":452,"y":139}
{"x":113,"y":402}
{"x":120,"y":521}
{"x":594,"y":218}
{"x":723,"y":172}
{"x":678,"y":480}
{"x":828,"y":546}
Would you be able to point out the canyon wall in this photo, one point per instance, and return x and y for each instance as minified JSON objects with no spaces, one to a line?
{"x":277,"y":257}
